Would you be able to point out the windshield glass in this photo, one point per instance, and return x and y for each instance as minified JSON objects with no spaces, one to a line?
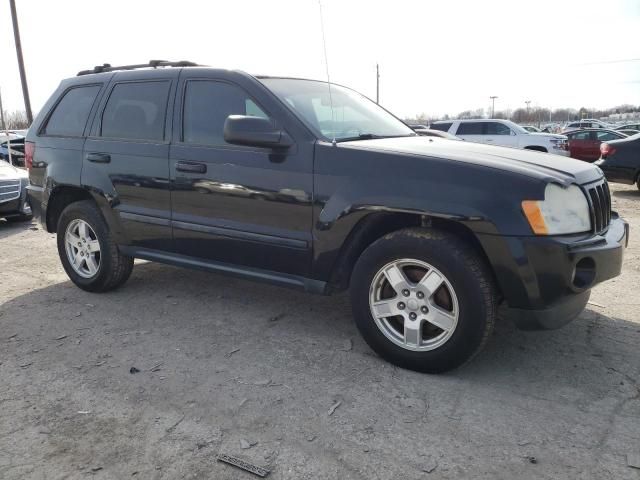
{"x":354,"y":116}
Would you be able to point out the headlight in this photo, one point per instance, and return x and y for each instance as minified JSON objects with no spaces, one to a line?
{"x":563,"y":210}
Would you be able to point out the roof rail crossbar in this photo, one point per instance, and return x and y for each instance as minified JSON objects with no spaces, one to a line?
{"x":106,"y":67}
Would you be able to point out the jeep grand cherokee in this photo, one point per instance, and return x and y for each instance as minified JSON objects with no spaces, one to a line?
{"x":291,"y":182}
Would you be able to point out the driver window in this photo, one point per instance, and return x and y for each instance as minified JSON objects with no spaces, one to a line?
{"x":495,"y":128}
{"x":207,"y":104}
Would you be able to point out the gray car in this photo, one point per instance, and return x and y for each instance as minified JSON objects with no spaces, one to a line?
{"x":14,"y":204}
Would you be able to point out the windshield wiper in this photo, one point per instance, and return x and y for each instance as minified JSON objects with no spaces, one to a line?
{"x":369,"y":136}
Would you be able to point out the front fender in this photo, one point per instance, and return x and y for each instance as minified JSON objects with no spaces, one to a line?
{"x":350,"y":184}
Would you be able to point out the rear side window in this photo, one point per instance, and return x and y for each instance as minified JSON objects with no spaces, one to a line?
{"x":470,"y":128}
{"x":580,"y":136}
{"x":443,"y":127}
{"x":495,"y":128}
{"x":136,"y":110}
{"x":606,"y":136}
{"x":207,"y":104}
{"x":70,"y":115}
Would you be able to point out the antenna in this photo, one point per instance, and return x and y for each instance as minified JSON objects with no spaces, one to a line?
{"x":326,"y":62}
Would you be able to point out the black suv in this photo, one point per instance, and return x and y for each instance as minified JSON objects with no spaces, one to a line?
{"x":313,"y":186}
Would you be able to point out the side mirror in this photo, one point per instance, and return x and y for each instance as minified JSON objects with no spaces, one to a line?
{"x":254,"y":132}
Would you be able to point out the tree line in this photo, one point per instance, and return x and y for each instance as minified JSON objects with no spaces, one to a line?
{"x":533,"y":114}
{"x":16,"y":120}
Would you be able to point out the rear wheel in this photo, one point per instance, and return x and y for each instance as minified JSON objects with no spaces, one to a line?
{"x":87,"y":251}
{"x":423,"y":299}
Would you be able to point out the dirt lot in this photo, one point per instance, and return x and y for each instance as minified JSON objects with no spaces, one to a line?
{"x":240,"y":362}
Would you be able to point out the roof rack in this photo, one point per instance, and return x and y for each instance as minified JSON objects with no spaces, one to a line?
{"x":106,"y":67}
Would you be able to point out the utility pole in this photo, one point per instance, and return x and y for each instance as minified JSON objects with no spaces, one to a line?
{"x":23,"y":75}
{"x":493,"y":105}
{"x":527,"y":102}
{"x":377,"y":84}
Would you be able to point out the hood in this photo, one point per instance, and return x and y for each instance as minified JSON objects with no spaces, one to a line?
{"x":9,"y":172}
{"x":542,"y":166}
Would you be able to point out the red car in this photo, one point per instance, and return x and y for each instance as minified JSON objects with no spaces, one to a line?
{"x":585,"y":144}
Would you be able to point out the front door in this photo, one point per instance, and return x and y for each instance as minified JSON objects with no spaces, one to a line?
{"x":241,"y":205}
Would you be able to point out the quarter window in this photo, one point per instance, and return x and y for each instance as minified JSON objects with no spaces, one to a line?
{"x":72,"y":112}
{"x":136,"y":110}
{"x":207,"y":104}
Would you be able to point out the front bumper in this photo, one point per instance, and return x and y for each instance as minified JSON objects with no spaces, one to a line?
{"x":546,"y":281}
{"x":17,"y":207}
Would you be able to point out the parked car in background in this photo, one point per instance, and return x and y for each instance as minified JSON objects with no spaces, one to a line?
{"x":531,"y":128}
{"x":428,"y":235}
{"x":620,"y":160}
{"x":14,"y":145}
{"x":586,"y":123}
{"x":504,"y":133}
{"x":429,"y":132}
{"x":628,"y":126}
{"x":585,"y":144}
{"x":628,"y":132}
{"x":14,"y":204}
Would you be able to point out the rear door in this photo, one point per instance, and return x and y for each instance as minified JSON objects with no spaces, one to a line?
{"x":126,"y":158}
{"x":240,"y":205}
{"x":471,"y":131}
{"x":579,"y":144}
{"x":496,"y":133}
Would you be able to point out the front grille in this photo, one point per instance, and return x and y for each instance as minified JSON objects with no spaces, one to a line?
{"x":600,"y":205}
{"x":9,"y":190}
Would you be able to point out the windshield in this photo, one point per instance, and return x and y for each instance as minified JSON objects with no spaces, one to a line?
{"x":354,"y":116}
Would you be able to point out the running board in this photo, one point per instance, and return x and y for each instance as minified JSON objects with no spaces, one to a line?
{"x":275,"y":278}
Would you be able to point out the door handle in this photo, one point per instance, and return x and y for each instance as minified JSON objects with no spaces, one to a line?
{"x":99,"y":157}
{"x":191,"y":167}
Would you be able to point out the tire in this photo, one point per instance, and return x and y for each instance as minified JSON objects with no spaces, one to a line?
{"x":110,"y":268}
{"x":464,"y":302}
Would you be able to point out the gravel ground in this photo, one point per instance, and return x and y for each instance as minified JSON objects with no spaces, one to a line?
{"x":226,"y":364}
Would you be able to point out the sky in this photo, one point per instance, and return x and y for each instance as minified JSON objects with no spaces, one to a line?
{"x":435,"y":57}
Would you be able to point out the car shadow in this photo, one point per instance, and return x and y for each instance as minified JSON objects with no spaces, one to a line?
{"x":626,"y":193}
{"x":8,"y":229}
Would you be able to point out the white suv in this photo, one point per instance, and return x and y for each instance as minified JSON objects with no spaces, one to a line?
{"x":504,"y":133}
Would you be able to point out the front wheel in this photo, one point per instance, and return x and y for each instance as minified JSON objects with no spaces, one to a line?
{"x":423,"y":299}
{"x":87,"y":251}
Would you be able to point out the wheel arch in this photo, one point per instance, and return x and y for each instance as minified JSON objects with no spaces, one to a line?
{"x":59,"y":198}
{"x":537,"y":148}
{"x":375,"y":225}
{"x":63,"y":195}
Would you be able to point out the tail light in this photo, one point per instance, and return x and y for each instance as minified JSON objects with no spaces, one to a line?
{"x":29,"y":150}
{"x":606,"y":150}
